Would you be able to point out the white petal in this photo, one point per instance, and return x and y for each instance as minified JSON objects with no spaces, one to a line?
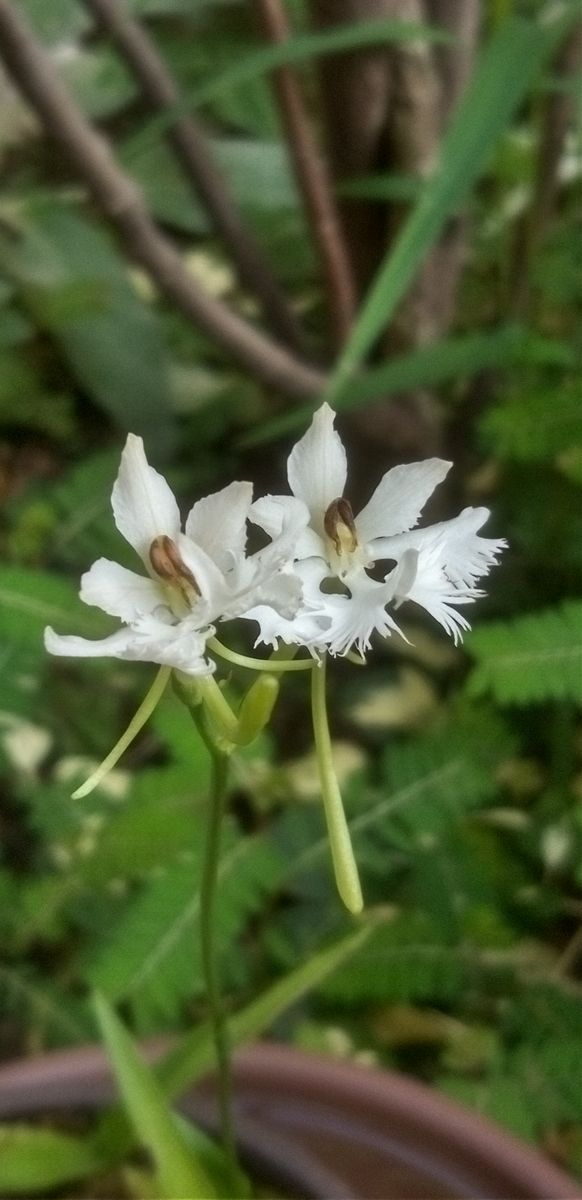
{"x":281,"y":592}
{"x":65,"y":646}
{"x":217,"y":523}
{"x":441,"y":604}
{"x":454,"y":545}
{"x":354,"y":618}
{"x":450,"y":559}
{"x":143,"y":504}
{"x":276,"y":514}
{"x":271,"y":513}
{"x":317,"y":466}
{"x":307,"y":625}
{"x":119,"y":592}
{"x":180,"y":646}
{"x":303,"y":630}
{"x":399,"y":499}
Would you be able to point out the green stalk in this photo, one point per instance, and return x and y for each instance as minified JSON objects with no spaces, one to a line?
{"x":344,"y":863}
{"x":276,"y":663}
{"x":208,"y":890}
{"x":144,"y":712}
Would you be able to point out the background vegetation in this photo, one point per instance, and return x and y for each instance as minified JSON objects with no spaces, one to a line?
{"x":462,"y":767}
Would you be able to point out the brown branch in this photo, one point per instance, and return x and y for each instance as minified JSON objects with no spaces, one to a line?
{"x":439,"y":280}
{"x":454,"y":59}
{"x":313,"y":180}
{"x":187,"y":137}
{"x":120,"y":200}
{"x":355,"y":91}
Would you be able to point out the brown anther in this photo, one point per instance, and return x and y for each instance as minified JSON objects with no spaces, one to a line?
{"x":168,"y":564}
{"x":339,"y":525}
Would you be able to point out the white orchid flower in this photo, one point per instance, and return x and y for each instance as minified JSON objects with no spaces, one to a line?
{"x":194,"y":578}
{"x":437,"y":567}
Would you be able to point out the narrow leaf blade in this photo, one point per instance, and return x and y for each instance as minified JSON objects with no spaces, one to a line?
{"x":34,"y":1159}
{"x":181,"y":1174}
{"x":507,"y":69}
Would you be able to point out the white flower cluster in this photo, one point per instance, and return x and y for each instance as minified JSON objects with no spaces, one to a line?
{"x":310,"y":586}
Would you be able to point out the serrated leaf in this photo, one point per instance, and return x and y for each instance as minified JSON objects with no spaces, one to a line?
{"x":535,"y":426}
{"x":156,"y":825}
{"x":194,"y":1054}
{"x":56,"y":1017}
{"x":530,"y":659}
{"x":401,"y":961}
{"x":153,"y":957}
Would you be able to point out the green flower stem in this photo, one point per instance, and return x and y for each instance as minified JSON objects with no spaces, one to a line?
{"x":346,"y":871}
{"x":275,"y":665}
{"x":208,"y":891}
{"x":144,"y":712}
{"x":218,"y":709}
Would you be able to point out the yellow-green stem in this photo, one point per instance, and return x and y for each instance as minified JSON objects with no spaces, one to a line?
{"x":144,"y":712}
{"x":218,"y":707}
{"x":208,"y":889}
{"x":344,"y":863}
{"x":276,"y":665}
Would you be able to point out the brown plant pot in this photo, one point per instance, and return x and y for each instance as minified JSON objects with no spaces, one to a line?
{"x":324,"y":1130}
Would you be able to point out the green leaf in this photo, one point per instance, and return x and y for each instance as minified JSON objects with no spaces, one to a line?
{"x":98,"y":80}
{"x":403,"y":962}
{"x":540,"y":424}
{"x":31,"y":599}
{"x":530,"y":659}
{"x":194,"y":1054}
{"x":62,"y":22}
{"x":428,"y":367}
{"x":34,"y":1159}
{"x":57,"y":1017}
{"x":181,"y":1173}
{"x":503,"y":77}
{"x":257,"y":172}
{"x":153,"y":956}
{"x":502,"y":1098}
{"x":77,"y":287}
{"x":307,"y":46}
{"x":300,"y":49}
{"x":81,"y":502}
{"x":23,"y":402}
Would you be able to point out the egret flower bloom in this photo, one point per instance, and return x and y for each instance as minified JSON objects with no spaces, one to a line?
{"x":194,"y":578}
{"x":436,"y":568}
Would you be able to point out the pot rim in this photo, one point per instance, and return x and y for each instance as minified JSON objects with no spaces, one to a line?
{"x":386,"y":1100}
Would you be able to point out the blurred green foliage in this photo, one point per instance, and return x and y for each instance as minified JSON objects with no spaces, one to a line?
{"x":463,"y":767}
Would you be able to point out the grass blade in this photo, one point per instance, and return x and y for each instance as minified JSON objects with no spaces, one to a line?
{"x":427,"y":367}
{"x":504,"y":75}
{"x":180,"y":1173}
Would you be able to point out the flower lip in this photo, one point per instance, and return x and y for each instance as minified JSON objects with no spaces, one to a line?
{"x":340,"y":527}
